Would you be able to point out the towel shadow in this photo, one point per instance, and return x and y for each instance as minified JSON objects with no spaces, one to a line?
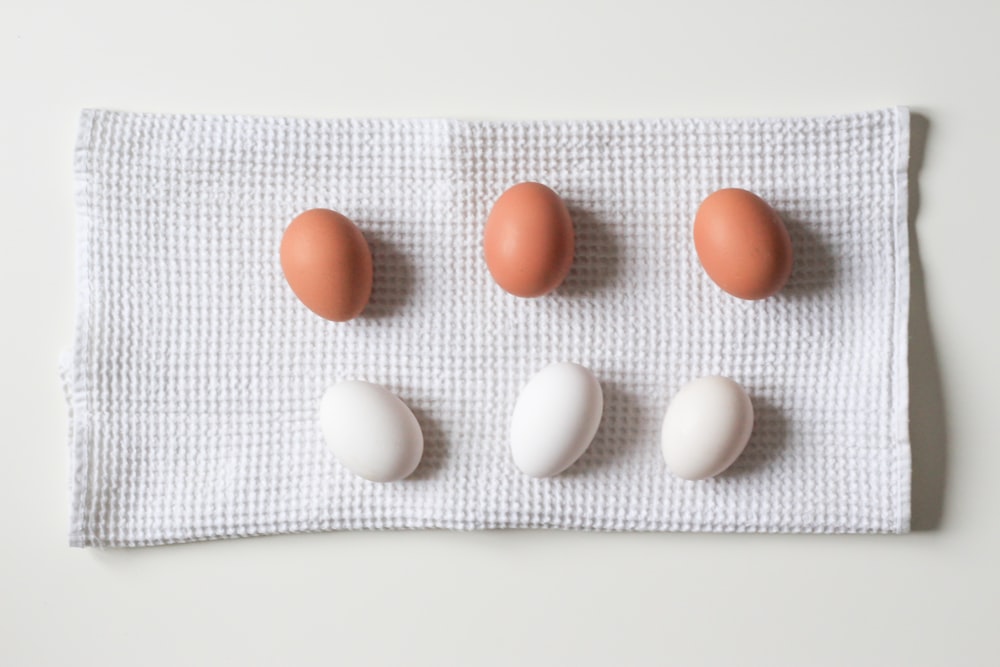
{"x":814,"y":268}
{"x":393,"y":277}
{"x":767,"y":441}
{"x":596,"y":260}
{"x":435,"y":445}
{"x":621,"y":412}
{"x":928,"y":421}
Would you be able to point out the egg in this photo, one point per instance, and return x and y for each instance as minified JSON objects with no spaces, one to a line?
{"x":742,"y":244}
{"x":706,"y":427}
{"x":528,"y":240}
{"x":370,"y":431}
{"x":328,"y":264}
{"x":556,"y":416}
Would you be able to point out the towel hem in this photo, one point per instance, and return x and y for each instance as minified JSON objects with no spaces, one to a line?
{"x":900,"y":383}
{"x":73,"y":376}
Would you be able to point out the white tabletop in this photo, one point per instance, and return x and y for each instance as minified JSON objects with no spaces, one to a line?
{"x":506,"y":598}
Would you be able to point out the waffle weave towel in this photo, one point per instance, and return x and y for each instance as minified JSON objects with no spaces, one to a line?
{"x":195,"y":374}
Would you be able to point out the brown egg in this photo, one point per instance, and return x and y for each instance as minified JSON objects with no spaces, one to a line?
{"x":328,"y":264}
{"x":528,"y":240}
{"x":742,"y":244}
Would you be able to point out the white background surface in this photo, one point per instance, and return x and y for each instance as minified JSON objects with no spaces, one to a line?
{"x":929,"y":598}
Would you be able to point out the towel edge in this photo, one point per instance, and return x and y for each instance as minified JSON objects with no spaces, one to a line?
{"x":73,"y":378}
{"x":900,"y":382}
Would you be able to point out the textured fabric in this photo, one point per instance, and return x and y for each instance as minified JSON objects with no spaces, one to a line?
{"x":195,"y":375}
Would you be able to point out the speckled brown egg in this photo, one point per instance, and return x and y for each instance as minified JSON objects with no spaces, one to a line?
{"x":328,"y":264}
{"x":528,"y":240}
{"x":742,"y":244}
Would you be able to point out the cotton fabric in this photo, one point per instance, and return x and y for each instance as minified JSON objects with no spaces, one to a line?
{"x":195,"y":374}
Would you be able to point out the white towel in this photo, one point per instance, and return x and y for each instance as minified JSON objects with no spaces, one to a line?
{"x":195,"y":374}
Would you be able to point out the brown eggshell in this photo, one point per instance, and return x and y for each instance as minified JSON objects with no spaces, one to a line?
{"x":742,"y":244}
{"x":528,"y":240}
{"x":328,"y":264}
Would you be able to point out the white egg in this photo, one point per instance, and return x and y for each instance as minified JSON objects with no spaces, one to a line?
{"x":370,"y":431}
{"x":555,"y":418}
{"x":707,"y":425}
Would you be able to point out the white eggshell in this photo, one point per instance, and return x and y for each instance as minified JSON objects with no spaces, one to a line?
{"x":555,"y":418}
{"x":370,"y":431}
{"x":707,"y":425}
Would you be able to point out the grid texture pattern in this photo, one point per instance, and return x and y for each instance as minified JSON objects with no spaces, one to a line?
{"x":195,"y":374}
